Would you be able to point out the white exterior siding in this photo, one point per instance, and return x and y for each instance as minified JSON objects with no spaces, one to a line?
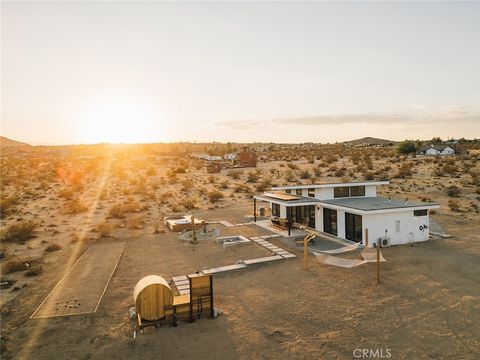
{"x":370,"y":191}
{"x":409,"y":227}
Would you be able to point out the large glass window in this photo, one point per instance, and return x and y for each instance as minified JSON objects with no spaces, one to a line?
{"x":276,"y":210}
{"x":330,"y":221}
{"x":357,"y":191}
{"x":304,"y":215}
{"x":341,"y":191}
{"x":311,"y":192}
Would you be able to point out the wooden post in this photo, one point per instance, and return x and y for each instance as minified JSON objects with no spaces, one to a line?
{"x":366,"y":238}
{"x":194,"y":237}
{"x":254,"y":210}
{"x":378,"y":260}
{"x":305,"y":251}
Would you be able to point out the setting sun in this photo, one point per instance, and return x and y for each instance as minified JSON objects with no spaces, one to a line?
{"x":115,"y":118}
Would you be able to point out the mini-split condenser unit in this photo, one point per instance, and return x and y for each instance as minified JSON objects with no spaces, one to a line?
{"x":384,"y":241}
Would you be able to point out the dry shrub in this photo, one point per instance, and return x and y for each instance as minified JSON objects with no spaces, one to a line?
{"x":135,"y":222}
{"x":19,"y":232}
{"x":119,"y":210}
{"x":12,"y":266}
{"x":454,"y":205}
{"x":34,"y":271}
{"x":6,"y":205}
{"x":188,"y":203}
{"x":65,"y":193}
{"x":74,"y":206}
{"x":104,"y":230}
{"x":453,"y":191}
{"x":53,"y":247}
{"x":235,"y":174}
{"x":215,"y":195}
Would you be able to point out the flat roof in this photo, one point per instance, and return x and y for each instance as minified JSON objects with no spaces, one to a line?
{"x":299,"y":200}
{"x":332,"y":184}
{"x":376,"y":203}
{"x":282,"y":196}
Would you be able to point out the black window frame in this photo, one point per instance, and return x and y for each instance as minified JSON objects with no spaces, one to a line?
{"x":298,"y":192}
{"x":343,"y":188}
{"x":355,"y":188}
{"x":423,"y":212}
{"x":275,"y":210}
{"x":311,"y":192}
{"x":330,"y":218}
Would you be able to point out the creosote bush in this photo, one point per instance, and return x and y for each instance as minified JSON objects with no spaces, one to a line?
{"x":19,"y":232}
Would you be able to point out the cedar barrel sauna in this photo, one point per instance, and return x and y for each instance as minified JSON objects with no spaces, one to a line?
{"x":152,"y":296}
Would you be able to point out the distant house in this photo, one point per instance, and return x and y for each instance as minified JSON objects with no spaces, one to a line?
{"x":230,"y":156}
{"x":246,"y":158}
{"x":437,"y":150}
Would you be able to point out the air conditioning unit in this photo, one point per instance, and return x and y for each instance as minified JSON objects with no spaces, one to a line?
{"x":384,"y":241}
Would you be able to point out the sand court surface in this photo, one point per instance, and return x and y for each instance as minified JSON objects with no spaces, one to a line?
{"x":81,"y":289}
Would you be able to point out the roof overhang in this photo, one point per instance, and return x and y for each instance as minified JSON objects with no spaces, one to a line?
{"x":300,"y":202}
{"x":331,"y":185}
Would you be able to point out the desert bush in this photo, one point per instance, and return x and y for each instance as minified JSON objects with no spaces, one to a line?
{"x":3,"y":251}
{"x":53,"y":247}
{"x":104,"y":230}
{"x":19,"y":232}
{"x":252,"y":177}
{"x":6,"y":205}
{"x":305,"y":174}
{"x":74,"y":206}
{"x":187,"y":185}
{"x":242,"y":188}
{"x":454,"y":205}
{"x":406,"y":147}
{"x":289,"y":175}
{"x":34,"y":271}
{"x":235,"y":174}
{"x":135,"y":222}
{"x":65,"y":193}
{"x":12,"y":266}
{"x":263,"y":185}
{"x":453,"y":191}
{"x":176,"y":208}
{"x":215,"y":195}
{"x":119,"y":210}
{"x":188,"y":203}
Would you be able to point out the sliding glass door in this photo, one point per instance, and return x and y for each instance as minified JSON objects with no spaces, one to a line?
{"x":330,"y":221}
{"x":353,"y":227}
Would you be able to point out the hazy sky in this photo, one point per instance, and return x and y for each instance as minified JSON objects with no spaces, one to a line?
{"x":83,"y":72}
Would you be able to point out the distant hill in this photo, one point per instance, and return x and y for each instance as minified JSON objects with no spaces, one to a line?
{"x":6,"y":142}
{"x":368,"y":141}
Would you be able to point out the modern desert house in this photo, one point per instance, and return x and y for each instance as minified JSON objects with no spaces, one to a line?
{"x":345,"y":210}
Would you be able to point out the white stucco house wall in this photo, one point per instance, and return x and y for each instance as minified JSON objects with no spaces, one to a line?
{"x":346,"y":210}
{"x":437,"y":150}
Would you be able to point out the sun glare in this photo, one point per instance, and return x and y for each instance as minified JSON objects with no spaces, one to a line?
{"x":118,"y":119}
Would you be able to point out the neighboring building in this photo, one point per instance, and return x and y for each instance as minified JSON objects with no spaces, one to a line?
{"x":345,"y":210}
{"x":436,"y":150}
{"x":230,"y":156}
{"x":213,"y":168}
{"x":246,"y":158}
{"x":207,"y":157}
